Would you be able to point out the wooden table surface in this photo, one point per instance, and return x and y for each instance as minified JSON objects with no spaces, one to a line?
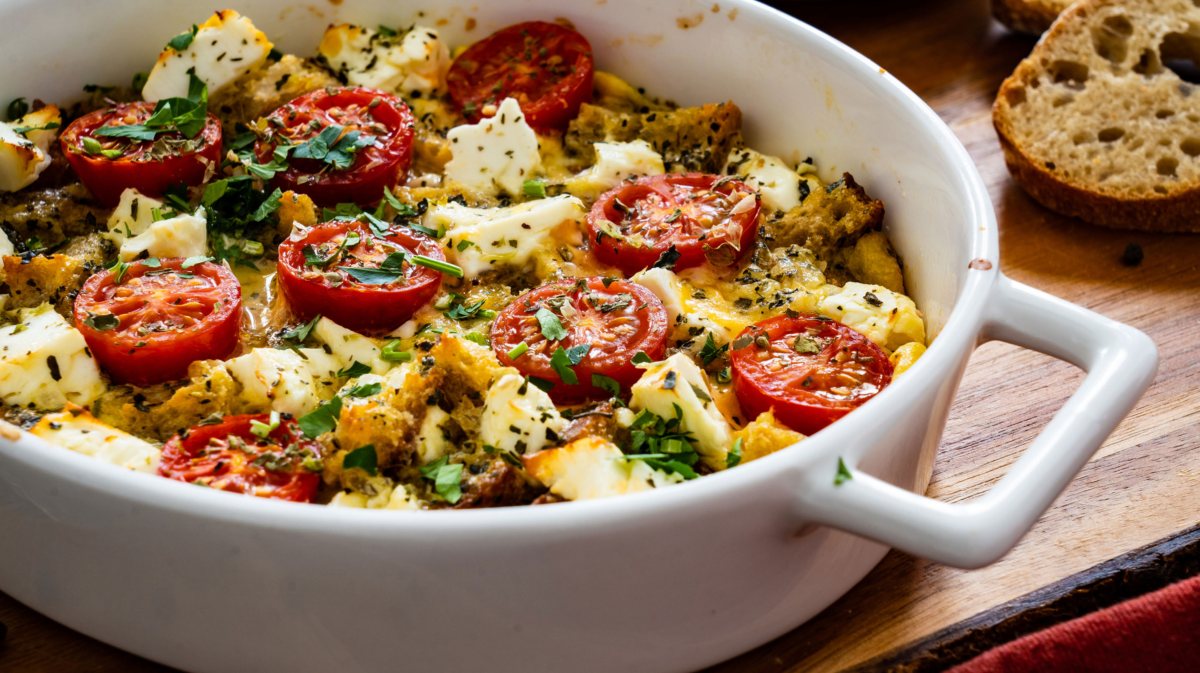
{"x":1142,"y":487}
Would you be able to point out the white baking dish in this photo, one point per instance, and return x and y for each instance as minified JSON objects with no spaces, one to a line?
{"x":670,"y":580}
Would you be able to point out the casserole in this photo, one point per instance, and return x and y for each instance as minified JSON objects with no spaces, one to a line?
{"x":571,"y":588}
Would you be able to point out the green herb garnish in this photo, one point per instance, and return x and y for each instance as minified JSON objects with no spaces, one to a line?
{"x":363,"y":458}
{"x":446,"y":478}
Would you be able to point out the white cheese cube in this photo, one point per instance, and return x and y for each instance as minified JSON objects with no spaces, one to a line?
{"x":79,"y":431}
{"x":591,"y":467}
{"x":45,"y":363}
{"x":496,"y":155}
{"x":431,"y":439}
{"x":6,"y":247}
{"x":888,"y":318}
{"x":387,"y":496}
{"x":25,"y":147}
{"x":519,"y":416}
{"x":134,"y":229}
{"x":678,"y":383}
{"x":616,"y":162}
{"x":501,"y":237}
{"x":348,"y":346}
{"x":776,"y":182}
{"x":291,"y":381}
{"x":414,"y":62}
{"x":224,"y":48}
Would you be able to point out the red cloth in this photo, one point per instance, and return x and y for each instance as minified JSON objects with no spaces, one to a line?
{"x":1158,"y":632}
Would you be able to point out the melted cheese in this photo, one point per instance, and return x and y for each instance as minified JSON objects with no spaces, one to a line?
{"x":518,"y":416}
{"x":224,"y":48}
{"x":616,"y":162}
{"x":25,"y":147}
{"x":291,"y":381}
{"x":500,"y":237}
{"x":593,"y":468}
{"x":777,"y":184}
{"x":677,"y":383}
{"x":495,"y":156}
{"x":136,"y":226}
{"x":415,"y":62}
{"x":79,"y":431}
{"x":45,"y":363}
{"x":885,"y":317}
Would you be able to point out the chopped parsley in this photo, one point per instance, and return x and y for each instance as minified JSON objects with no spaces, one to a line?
{"x":552,"y":327}
{"x":17,"y":108}
{"x":102,"y":322}
{"x":710,"y":351}
{"x":662,"y":443}
{"x":334,"y":145}
{"x":667,"y":259}
{"x":183,"y":40}
{"x":355,"y":370}
{"x":446,"y":478}
{"x":363,"y":458}
{"x":461,"y":311}
{"x":322,"y":419}
{"x":640,"y":358}
{"x":365,"y":390}
{"x":299,"y":334}
{"x":565,"y":358}
{"x":184,"y":115}
{"x":607,"y":384}
{"x":735,"y":453}
{"x":843,"y":474}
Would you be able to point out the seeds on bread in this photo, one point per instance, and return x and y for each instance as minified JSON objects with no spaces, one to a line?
{"x":1094,"y":123}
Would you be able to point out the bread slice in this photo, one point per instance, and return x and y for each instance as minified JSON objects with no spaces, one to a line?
{"x":1028,"y":16}
{"x":1095,"y":124}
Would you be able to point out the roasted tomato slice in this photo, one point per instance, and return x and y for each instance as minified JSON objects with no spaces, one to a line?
{"x":257,"y":454}
{"x":360,"y":279}
{"x":599,"y":324}
{"x":810,"y":370}
{"x":145,"y":322}
{"x":109,"y":165}
{"x":349,"y":144}
{"x":677,"y":221}
{"x":547,"y":67}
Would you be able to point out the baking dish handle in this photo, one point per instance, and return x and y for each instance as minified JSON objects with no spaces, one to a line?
{"x":1120,"y":363}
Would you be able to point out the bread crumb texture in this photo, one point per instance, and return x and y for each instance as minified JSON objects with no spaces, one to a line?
{"x":1099,"y":122}
{"x":1028,"y":16}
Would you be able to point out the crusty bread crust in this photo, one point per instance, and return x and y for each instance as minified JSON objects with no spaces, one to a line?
{"x":1028,"y":16}
{"x":1050,"y":173}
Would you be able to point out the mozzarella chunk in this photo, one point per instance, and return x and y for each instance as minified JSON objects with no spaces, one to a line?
{"x":224,"y":48}
{"x":348,"y":346}
{"x":678,"y":383}
{"x":500,"y":237}
{"x":431,"y":439}
{"x":888,"y":318}
{"x":291,"y":381}
{"x":416,"y":62}
{"x":689,"y":316}
{"x":133,"y":227}
{"x":592,"y":467}
{"x":25,"y":147}
{"x":776,"y":182}
{"x":45,"y":363}
{"x":616,"y":162}
{"x":6,"y":245}
{"x":79,"y":431}
{"x":496,"y":155}
{"x":519,"y":417}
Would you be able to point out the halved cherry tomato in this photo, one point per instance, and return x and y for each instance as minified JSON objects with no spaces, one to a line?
{"x":149,"y":166}
{"x":677,"y":221}
{"x":145,"y":323}
{"x":229,"y":456}
{"x":356,"y":277}
{"x":810,"y":370}
{"x":352,"y":143}
{"x":547,"y":67}
{"x":614,"y":319}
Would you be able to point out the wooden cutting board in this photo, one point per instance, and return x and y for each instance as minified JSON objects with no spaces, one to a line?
{"x":1142,"y":487}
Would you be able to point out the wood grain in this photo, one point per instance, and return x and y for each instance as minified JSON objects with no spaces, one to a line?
{"x":1143,"y":485}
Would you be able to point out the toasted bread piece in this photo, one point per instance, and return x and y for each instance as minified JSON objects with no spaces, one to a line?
{"x":1094,"y":125}
{"x":1028,"y":16}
